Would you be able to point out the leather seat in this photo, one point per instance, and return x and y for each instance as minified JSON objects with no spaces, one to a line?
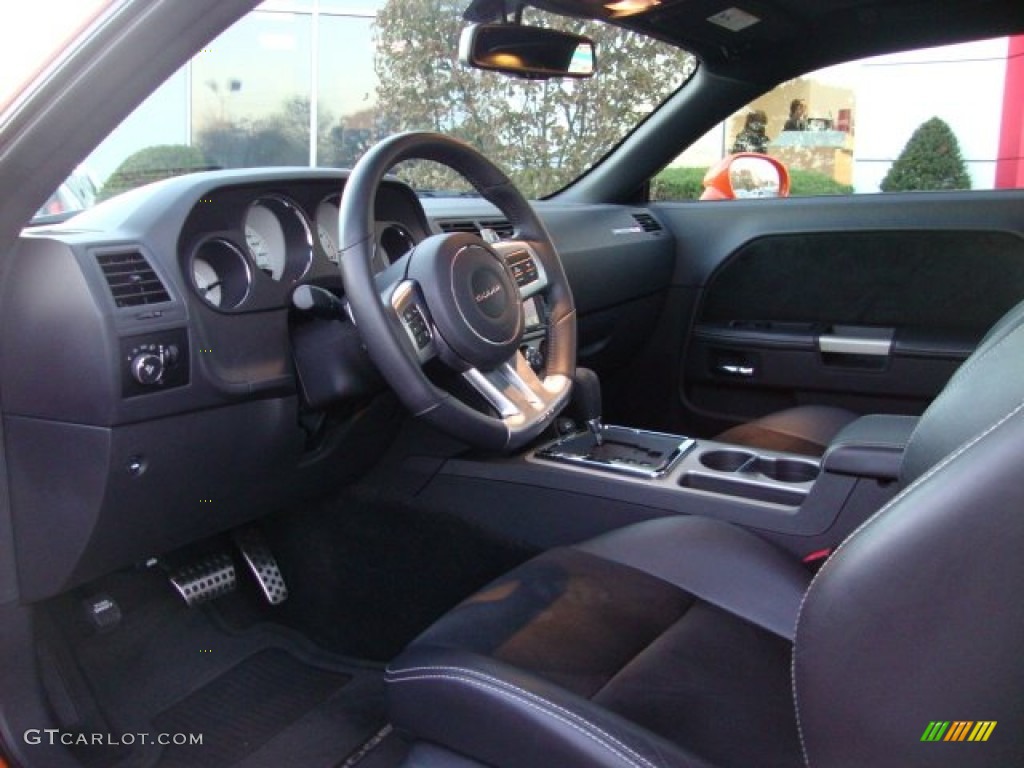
{"x":806,"y":429}
{"x":687,"y":641}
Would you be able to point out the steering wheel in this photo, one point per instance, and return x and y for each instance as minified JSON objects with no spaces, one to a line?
{"x":459,"y":299}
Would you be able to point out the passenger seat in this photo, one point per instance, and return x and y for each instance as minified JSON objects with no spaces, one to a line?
{"x":806,"y":429}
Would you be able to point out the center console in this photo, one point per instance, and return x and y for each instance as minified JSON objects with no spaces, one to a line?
{"x":606,"y":477}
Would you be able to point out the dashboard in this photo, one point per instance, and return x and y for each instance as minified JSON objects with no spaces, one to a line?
{"x":153,"y":368}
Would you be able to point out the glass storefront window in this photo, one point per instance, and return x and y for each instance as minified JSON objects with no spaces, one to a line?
{"x":251,"y":91}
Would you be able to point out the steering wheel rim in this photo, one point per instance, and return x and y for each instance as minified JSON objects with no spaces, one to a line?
{"x":448,"y":277}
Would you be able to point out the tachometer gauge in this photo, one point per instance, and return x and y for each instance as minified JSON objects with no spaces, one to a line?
{"x":327,"y":228}
{"x":220,"y":274}
{"x":208,"y":282}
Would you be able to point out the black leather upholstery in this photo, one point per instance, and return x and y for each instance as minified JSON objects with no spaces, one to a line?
{"x":806,"y":429}
{"x":576,"y":660}
{"x":871,"y":446}
{"x":684,"y":641}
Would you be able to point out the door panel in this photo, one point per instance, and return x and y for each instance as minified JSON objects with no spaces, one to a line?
{"x":868,"y":303}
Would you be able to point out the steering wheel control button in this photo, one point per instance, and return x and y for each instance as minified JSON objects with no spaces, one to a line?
{"x":417,"y":326}
{"x":524,"y":268}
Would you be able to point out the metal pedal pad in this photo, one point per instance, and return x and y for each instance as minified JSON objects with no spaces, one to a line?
{"x":261,"y":562}
{"x":205,"y":579}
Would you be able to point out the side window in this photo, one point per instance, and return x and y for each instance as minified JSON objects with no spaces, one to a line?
{"x":932,"y":119}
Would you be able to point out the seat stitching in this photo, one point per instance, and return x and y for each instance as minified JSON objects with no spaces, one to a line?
{"x":866,"y":444}
{"x":964,"y":447}
{"x":469,"y":676}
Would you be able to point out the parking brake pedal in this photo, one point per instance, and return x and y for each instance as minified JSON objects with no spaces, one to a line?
{"x":205,"y":579}
{"x":261,"y":562}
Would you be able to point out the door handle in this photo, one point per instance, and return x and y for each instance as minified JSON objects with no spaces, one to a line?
{"x":735,"y":369}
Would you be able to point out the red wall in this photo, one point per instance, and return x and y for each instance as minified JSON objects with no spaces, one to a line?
{"x":1010,"y":162}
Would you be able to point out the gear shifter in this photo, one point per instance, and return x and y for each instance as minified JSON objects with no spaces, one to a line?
{"x":628,"y":451}
{"x":588,"y":401}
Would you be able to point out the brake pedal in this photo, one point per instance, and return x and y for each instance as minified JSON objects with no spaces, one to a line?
{"x":201,"y":581}
{"x":261,"y":562}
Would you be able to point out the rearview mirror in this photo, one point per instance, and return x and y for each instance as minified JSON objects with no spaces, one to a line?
{"x":530,"y":52}
{"x":746,"y":175}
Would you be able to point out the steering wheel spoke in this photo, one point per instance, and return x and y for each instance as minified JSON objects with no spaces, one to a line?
{"x":520,"y":397}
{"x":411,"y":311}
{"x":525,"y":264}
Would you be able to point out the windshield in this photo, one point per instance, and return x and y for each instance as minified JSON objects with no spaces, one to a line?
{"x":317,"y":83}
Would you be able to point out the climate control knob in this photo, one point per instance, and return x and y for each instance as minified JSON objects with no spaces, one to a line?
{"x":147,"y":368}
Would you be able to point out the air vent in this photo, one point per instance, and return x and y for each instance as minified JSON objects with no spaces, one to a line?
{"x":647,"y":222}
{"x":133,"y":283}
{"x":502,"y":227}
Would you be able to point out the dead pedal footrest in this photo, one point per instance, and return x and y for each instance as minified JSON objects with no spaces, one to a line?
{"x":261,"y":562}
{"x":205,"y":579}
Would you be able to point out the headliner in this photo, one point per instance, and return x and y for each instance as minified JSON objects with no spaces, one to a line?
{"x":794,"y":36}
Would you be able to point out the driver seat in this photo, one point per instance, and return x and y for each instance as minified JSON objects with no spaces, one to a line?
{"x":687,"y":641}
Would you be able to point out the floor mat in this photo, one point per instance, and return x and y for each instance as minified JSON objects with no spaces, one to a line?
{"x":259,"y":697}
{"x":242,"y":709}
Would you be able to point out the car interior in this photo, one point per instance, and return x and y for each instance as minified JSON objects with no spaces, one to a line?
{"x":592,"y":480}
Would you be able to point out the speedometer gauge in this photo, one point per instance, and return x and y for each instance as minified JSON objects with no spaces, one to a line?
{"x":260,"y":253}
{"x":265,"y":239}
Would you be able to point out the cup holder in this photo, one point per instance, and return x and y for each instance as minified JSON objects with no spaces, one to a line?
{"x":781,"y":470}
{"x":725,"y":461}
{"x":786,"y":470}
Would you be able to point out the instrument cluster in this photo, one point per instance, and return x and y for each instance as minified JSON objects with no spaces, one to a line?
{"x":245,"y":249}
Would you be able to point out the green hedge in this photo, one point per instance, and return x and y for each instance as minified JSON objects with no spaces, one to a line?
{"x":685,"y":184}
{"x":153,"y":164}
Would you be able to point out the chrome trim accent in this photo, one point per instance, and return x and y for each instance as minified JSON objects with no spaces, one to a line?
{"x":856,"y":340}
{"x":479,"y":381}
{"x":555,"y":452}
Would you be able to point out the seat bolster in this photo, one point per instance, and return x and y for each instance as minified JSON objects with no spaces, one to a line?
{"x":505,"y":717}
{"x":717,"y":562}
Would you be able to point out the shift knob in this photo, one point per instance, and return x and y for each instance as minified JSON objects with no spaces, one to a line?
{"x":587,"y":394}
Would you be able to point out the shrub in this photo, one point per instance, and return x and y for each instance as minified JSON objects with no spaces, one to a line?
{"x":930,"y":160}
{"x":803,"y":183}
{"x":685,"y":184}
{"x":678,"y":184}
{"x":153,"y":164}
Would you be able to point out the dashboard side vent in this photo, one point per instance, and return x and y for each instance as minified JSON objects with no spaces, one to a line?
{"x":647,"y":222}
{"x":131,"y":279}
{"x":502,"y":227}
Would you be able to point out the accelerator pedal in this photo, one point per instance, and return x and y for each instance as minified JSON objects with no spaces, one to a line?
{"x":205,"y":579}
{"x":261,"y":562}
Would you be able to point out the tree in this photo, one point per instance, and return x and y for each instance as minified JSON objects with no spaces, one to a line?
{"x":543,"y":133}
{"x":930,"y":160}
